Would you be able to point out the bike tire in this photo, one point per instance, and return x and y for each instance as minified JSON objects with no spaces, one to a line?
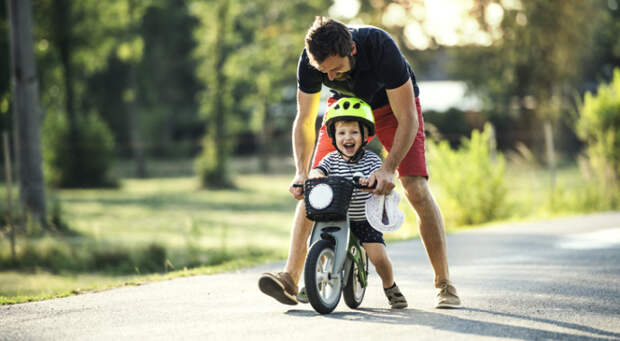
{"x":315,"y":273}
{"x":352,"y":292}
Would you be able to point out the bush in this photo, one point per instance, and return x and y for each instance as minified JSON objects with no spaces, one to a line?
{"x":84,"y":160}
{"x":598,"y":125}
{"x":470,"y":180}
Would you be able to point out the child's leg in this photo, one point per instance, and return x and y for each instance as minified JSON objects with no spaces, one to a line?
{"x":379,"y":258}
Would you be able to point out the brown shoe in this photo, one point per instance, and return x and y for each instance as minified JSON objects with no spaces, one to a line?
{"x":447,"y":297}
{"x":279,"y":286}
{"x":396,"y":298}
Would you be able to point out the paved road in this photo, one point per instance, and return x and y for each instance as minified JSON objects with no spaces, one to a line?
{"x":552,"y":280}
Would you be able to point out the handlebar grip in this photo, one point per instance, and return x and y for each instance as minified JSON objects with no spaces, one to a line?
{"x":299,"y":186}
{"x":356,"y":183}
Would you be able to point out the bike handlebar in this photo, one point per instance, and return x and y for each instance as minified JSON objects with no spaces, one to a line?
{"x":356,"y":183}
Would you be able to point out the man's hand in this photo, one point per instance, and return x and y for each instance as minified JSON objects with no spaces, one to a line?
{"x":384,"y":180}
{"x":297,"y":192}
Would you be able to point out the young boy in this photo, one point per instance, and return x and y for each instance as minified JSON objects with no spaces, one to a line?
{"x":349,"y":124}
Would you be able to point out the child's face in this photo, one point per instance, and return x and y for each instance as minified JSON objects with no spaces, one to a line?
{"x":348,"y":138}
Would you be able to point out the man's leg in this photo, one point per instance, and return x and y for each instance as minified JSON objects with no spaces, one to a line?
{"x":431,"y":224}
{"x":298,"y":248}
{"x":283,"y":285}
{"x":433,"y":237}
{"x":413,"y":175}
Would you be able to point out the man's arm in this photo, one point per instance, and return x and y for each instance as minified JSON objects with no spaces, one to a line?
{"x":303,"y":137}
{"x":402,"y":103}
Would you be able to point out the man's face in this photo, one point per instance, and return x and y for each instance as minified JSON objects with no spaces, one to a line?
{"x":336,"y":67}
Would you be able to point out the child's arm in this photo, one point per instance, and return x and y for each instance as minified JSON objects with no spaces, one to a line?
{"x":316,"y":173}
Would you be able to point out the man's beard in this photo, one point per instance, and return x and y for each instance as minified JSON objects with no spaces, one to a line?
{"x":347,"y":75}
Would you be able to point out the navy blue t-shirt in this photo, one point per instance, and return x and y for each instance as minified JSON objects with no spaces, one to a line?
{"x":379,"y":65}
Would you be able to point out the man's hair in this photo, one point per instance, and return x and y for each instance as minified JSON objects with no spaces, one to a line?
{"x":327,"y":37}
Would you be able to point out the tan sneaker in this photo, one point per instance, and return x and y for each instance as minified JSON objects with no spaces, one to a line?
{"x":395,"y":297}
{"x":279,"y":286}
{"x":447,"y":297}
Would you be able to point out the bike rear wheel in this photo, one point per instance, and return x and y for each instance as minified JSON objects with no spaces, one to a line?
{"x":323,"y":289}
{"x":353,"y":291}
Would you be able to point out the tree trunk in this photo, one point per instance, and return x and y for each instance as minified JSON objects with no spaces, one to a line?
{"x":62,"y":32}
{"x":9,"y":190}
{"x":219,"y":129}
{"x":136,"y":139}
{"x":550,"y":150}
{"x":220,"y":84}
{"x":265,"y":138}
{"x":26,"y":110}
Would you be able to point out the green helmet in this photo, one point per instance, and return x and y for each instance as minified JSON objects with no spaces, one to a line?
{"x":350,"y":109}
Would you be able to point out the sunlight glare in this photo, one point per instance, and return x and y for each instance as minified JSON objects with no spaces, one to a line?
{"x":512,"y":5}
{"x":394,"y":15}
{"x":347,"y":9}
{"x":521,"y":19}
{"x":416,"y":38}
{"x":601,"y":239}
{"x":494,"y":15}
{"x":444,"y":18}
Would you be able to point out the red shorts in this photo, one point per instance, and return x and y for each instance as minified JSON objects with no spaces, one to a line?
{"x":414,"y":163}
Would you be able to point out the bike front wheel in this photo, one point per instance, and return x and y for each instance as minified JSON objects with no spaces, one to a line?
{"x":323,"y":289}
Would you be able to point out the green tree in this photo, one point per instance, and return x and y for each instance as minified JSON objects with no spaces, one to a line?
{"x":167,"y":80}
{"x":73,"y":42}
{"x":158,"y":52}
{"x":606,"y":45}
{"x":534,"y":65}
{"x":267,"y":67}
{"x":249,"y":52}
{"x":79,"y":43}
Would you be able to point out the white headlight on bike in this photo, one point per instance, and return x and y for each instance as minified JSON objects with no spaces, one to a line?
{"x":321,"y":196}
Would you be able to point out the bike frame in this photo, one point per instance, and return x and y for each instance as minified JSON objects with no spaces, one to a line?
{"x":339,"y":233}
{"x":357,"y":258}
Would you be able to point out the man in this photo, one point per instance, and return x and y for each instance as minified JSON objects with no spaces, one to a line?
{"x":365,"y":63}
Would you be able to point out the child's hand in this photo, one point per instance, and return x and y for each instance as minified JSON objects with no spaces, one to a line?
{"x":363,"y":181}
{"x":316,"y":173}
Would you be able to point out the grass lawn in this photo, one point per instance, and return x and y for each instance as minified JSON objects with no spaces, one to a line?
{"x":195,"y":227}
{"x":204,"y":231}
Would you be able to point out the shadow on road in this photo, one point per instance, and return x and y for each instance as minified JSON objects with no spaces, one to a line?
{"x":443,"y":321}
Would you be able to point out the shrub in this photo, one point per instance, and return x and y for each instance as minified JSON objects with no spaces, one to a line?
{"x":83,"y":160}
{"x":598,"y":125}
{"x":470,"y":180}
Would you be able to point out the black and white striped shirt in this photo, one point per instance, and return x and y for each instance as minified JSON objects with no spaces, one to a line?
{"x":334,"y":165}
